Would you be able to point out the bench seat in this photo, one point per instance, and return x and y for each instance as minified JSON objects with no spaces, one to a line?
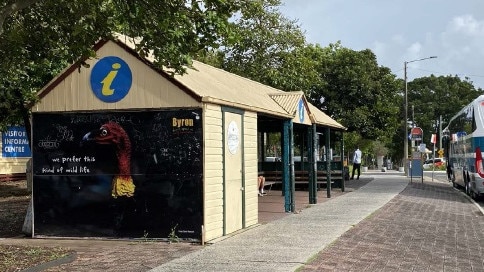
{"x":302,"y":177}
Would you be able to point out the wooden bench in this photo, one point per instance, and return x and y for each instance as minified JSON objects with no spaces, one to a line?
{"x":13,"y":177}
{"x":302,"y":177}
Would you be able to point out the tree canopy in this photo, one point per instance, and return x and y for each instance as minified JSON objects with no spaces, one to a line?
{"x":40,"y":38}
{"x":269,"y":48}
{"x":433,"y":98}
{"x":357,"y":92}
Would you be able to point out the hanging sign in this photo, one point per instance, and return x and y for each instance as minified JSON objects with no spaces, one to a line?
{"x":416,"y":134}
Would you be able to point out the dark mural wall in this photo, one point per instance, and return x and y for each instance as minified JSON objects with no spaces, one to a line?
{"x":118,"y":174}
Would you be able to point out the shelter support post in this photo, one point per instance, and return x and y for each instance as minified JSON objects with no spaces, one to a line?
{"x":286,"y":164}
{"x":312,"y":146}
{"x":343,"y":166}
{"x":328,"y":162}
{"x":292,"y":180}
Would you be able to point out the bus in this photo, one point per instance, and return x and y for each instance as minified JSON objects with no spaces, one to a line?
{"x":463,"y":143}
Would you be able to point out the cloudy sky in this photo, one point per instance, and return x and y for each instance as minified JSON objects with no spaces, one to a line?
{"x":401,"y":30}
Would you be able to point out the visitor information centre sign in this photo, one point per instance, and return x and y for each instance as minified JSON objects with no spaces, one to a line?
{"x":15,"y":143}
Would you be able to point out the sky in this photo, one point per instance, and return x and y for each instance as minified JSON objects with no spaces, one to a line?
{"x":400,"y":31}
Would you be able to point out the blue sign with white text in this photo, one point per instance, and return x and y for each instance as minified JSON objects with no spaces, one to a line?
{"x":15,"y":143}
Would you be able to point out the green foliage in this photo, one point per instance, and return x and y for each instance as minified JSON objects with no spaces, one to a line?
{"x":249,"y":38}
{"x":44,"y":37}
{"x":357,"y":92}
{"x":432,"y":97}
{"x":379,"y":149}
{"x":267,"y":47}
{"x":172,"y":237}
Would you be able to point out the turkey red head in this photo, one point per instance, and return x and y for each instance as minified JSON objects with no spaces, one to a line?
{"x":109,"y":133}
{"x":112,"y":133}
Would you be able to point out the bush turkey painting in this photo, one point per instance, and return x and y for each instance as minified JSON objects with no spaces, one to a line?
{"x":133,"y":174}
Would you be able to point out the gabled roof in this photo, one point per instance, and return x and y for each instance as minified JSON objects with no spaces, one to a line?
{"x":219,"y":86}
{"x":287,"y":100}
{"x":213,"y":85}
{"x":323,"y":119}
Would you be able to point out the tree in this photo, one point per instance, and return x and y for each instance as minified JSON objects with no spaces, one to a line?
{"x":355,"y":91}
{"x":9,"y":8}
{"x":269,"y":48}
{"x":39,"y":38}
{"x":432,"y":98}
{"x":272,"y":50}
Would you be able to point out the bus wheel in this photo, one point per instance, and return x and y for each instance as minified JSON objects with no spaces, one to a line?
{"x":473,"y":195}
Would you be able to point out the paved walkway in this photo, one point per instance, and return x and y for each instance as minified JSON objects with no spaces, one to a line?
{"x":427,"y":227}
{"x":288,"y":243}
{"x":389,"y":224}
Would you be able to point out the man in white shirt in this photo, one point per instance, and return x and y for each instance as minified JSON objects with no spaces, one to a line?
{"x":356,"y":163}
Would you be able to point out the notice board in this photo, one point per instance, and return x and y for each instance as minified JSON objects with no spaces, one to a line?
{"x":134,"y":174}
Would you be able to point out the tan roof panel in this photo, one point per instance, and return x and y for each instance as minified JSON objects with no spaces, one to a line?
{"x":288,"y":100}
{"x":219,"y":86}
{"x":322,"y":118}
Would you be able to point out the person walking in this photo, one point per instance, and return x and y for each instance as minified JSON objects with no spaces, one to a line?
{"x":449,"y":171}
{"x":356,"y":163}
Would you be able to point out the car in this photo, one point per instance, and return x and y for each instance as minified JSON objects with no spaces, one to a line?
{"x":436,"y":162}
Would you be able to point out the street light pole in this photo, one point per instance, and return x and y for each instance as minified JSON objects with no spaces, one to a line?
{"x":405,"y":123}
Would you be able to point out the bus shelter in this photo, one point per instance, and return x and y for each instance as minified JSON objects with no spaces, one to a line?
{"x":304,"y":151}
{"x":123,"y":149}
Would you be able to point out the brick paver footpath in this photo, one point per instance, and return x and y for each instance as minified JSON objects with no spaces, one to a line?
{"x":383,"y":222}
{"x":428,"y":227}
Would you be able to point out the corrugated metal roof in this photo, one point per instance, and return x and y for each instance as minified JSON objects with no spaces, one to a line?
{"x":221,"y":87}
{"x":218,"y":86}
{"x":288,"y":100}
{"x":322,"y":118}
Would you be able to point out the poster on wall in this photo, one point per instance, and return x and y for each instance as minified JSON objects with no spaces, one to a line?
{"x":118,"y":174}
{"x":15,"y":143}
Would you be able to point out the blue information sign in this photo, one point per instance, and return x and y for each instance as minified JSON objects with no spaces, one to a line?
{"x":15,"y":143}
{"x":111,"y":79}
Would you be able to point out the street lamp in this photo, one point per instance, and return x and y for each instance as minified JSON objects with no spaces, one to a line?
{"x":405,"y":124}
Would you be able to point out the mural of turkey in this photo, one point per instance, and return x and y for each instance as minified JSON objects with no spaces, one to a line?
{"x":118,"y":174}
{"x":113,"y":134}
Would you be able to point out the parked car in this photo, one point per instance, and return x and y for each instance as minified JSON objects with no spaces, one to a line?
{"x":436,"y":162}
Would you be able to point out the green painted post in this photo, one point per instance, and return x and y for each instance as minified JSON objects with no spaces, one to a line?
{"x":285,"y":164}
{"x":328,"y":162}
{"x":312,"y":185}
{"x":291,"y":169}
{"x":342,"y":148}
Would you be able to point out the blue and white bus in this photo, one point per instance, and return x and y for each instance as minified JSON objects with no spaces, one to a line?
{"x":464,"y":146}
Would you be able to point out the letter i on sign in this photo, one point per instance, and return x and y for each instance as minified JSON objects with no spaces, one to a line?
{"x":108,"y":80}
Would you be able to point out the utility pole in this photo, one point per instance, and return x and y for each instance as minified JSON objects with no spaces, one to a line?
{"x":440,"y":132}
{"x":405,"y":138}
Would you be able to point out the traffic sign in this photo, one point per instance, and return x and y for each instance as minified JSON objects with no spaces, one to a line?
{"x":416,"y":133}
